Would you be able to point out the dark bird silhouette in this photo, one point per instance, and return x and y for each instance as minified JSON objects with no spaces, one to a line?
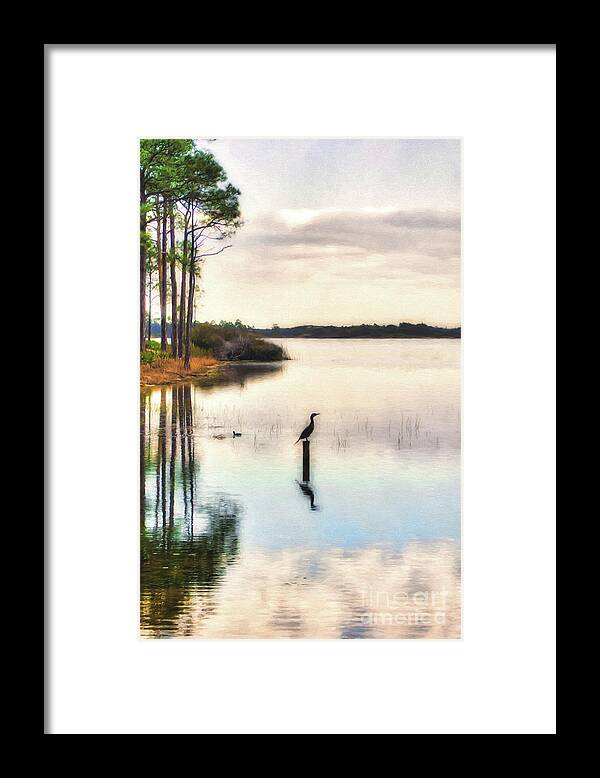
{"x":307,"y":431}
{"x":237,"y":434}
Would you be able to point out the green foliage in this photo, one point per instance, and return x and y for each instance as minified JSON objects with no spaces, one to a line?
{"x":187,"y":184}
{"x":148,"y":357}
{"x":207,"y":336}
{"x":153,"y":354}
{"x":147,"y":242}
{"x":161,"y":164}
{"x":178,"y":170}
{"x":234,"y":341}
{"x":201,"y":352}
{"x":237,"y":324}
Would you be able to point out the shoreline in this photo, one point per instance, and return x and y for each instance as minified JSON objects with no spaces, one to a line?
{"x":208,"y":375}
{"x":362,"y":337}
{"x":166,"y":377}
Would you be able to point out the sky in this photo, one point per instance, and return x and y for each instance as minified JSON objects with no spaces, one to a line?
{"x":339,"y":231}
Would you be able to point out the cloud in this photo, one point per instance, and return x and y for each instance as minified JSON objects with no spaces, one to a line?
{"x":372,"y":593}
{"x":426,"y":233}
{"x":339,"y":266}
{"x":370,"y":244}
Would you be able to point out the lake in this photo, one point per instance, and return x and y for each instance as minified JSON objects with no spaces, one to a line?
{"x":236,"y":544}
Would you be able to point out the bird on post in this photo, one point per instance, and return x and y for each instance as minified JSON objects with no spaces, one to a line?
{"x":307,"y":431}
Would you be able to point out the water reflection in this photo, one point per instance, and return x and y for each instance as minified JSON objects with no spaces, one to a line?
{"x":186,"y":544}
{"x":236,"y":542}
{"x":240,"y":375}
{"x":180,"y":568}
{"x":366,"y":593}
{"x":308,"y":491}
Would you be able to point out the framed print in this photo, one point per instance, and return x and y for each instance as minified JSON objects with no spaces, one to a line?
{"x":300,"y":382}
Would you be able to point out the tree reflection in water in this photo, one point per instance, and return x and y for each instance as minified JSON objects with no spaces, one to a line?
{"x":185,"y":546}
{"x":371,"y":551}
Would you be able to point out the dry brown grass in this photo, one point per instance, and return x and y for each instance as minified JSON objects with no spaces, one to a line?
{"x":168,"y":371}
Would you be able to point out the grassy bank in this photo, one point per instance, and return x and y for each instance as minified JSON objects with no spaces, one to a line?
{"x":213,"y":346}
{"x":169,"y":371}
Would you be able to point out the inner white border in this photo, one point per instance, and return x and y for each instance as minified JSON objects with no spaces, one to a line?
{"x":500,"y":677}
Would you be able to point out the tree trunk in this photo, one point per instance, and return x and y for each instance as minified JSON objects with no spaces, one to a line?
{"x":173,"y":287}
{"x":161,"y":275}
{"x":150,"y":306}
{"x":142,"y":261}
{"x":190,"y":313}
{"x":182,"y":316}
{"x":190,"y":304}
{"x":163,"y":296}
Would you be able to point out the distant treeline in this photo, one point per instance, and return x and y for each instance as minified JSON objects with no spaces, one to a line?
{"x":222,"y":325}
{"x":402,"y":330}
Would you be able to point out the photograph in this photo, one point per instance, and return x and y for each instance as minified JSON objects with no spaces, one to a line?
{"x":300,"y":388}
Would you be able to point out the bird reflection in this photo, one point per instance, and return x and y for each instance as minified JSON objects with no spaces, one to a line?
{"x":307,"y":490}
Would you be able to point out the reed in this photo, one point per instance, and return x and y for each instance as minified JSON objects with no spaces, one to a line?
{"x":169,"y":370}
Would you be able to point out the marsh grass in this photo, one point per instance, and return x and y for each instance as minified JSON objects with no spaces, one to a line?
{"x":341,"y":435}
{"x":169,"y":370}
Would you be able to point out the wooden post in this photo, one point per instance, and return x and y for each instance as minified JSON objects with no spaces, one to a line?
{"x":306,"y":460}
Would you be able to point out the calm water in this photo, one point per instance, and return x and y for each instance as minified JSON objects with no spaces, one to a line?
{"x":235,"y":544}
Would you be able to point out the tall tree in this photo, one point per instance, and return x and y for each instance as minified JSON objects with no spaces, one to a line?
{"x":160,"y":160}
{"x":214,"y":214}
{"x":151,"y":267}
{"x":182,"y":299}
{"x":180,"y":181}
{"x":143,"y":243}
{"x":161,"y":275}
{"x":163,"y":288}
{"x":172,"y":260}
